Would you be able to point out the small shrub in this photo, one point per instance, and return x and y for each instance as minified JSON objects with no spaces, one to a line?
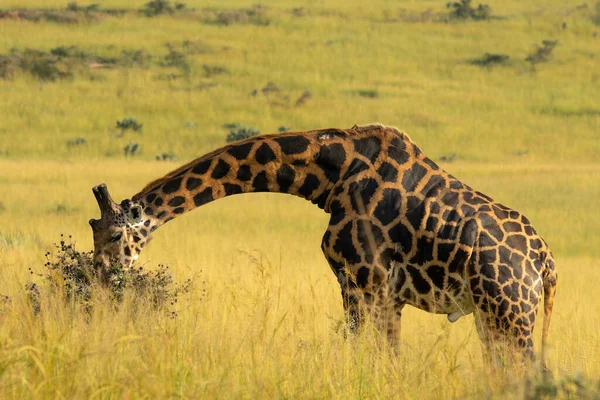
{"x":75,"y":142}
{"x":166,"y":157}
{"x":190,"y":47}
{"x":131,"y":149}
{"x":269,"y":88}
{"x":299,"y":12}
{"x":448,"y":158}
{"x":72,"y":274}
{"x":490,"y":60}
{"x":239,"y":132}
{"x":158,"y":7}
{"x":211,"y":70}
{"x":63,"y":62}
{"x":283,"y":129}
{"x":257,"y":15}
{"x":567,"y":387}
{"x":69,"y":52}
{"x":368,"y":93}
{"x":463,"y":10}
{"x":176,"y":59}
{"x":135,"y":58}
{"x":129,"y":123}
{"x":542,"y":53}
{"x":304,"y":97}
{"x":45,"y":66}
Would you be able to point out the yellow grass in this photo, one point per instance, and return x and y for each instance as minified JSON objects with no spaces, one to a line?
{"x":270,"y":323}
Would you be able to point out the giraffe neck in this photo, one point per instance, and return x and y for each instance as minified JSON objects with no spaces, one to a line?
{"x":305,"y":164}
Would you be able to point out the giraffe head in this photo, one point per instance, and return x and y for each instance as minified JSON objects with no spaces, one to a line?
{"x":120,"y":233}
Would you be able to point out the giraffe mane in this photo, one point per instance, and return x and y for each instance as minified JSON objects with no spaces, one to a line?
{"x":355,"y":130}
{"x":157,"y":182}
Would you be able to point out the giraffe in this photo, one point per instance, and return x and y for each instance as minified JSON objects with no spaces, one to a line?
{"x":402,"y":231}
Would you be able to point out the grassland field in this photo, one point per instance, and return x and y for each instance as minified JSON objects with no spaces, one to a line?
{"x":264,"y":317}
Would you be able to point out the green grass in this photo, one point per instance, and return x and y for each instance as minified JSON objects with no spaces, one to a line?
{"x":269,"y":325}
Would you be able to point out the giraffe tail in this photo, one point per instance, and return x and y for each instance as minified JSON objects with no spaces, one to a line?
{"x":549,"y":279}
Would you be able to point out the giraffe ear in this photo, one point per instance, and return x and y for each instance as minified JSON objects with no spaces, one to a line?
{"x":134,"y":215}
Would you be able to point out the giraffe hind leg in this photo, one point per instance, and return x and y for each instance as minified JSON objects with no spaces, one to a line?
{"x":502,"y":346}
{"x":505,"y":325}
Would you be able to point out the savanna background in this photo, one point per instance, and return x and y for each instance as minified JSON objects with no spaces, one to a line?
{"x":503,"y":96}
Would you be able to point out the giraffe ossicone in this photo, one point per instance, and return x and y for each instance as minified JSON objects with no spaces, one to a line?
{"x":402,"y":230}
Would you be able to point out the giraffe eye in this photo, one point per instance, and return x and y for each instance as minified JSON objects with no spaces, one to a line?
{"x":116,"y":237}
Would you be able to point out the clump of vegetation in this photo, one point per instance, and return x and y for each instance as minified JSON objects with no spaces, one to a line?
{"x":463,"y":10}
{"x":131,"y":149}
{"x":210,"y":70}
{"x":45,"y":66}
{"x":304,"y":97}
{"x":166,"y":157}
{"x":190,"y":47}
{"x":69,"y":52}
{"x":256,"y":15}
{"x":135,"y":58}
{"x":176,"y":59}
{"x":73,"y":6}
{"x":283,"y":129}
{"x":160,"y":7}
{"x":490,"y":60}
{"x":72,"y":274}
{"x":129,"y":123}
{"x":448,"y":157}
{"x":240,"y":132}
{"x":568,"y":387}
{"x":75,"y":142}
{"x":411,"y":16}
{"x":64,"y":62}
{"x":71,"y":14}
{"x":542,"y":53}
{"x":368,"y":93}
{"x":596,"y":14}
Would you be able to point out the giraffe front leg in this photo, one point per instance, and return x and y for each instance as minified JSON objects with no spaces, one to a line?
{"x":389,"y":323}
{"x":352,"y":301}
{"x":359,"y":266}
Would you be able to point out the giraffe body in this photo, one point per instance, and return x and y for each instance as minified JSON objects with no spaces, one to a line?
{"x":402,"y":231}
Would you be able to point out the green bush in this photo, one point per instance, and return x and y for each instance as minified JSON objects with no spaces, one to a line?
{"x":239,"y":132}
{"x":490,"y":60}
{"x":368,"y":93}
{"x":72,"y":273}
{"x":542,"y":53}
{"x":160,"y":7}
{"x":463,"y":10}
{"x":129,"y":123}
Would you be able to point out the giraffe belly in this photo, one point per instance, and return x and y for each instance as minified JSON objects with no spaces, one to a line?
{"x":447,"y":294}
